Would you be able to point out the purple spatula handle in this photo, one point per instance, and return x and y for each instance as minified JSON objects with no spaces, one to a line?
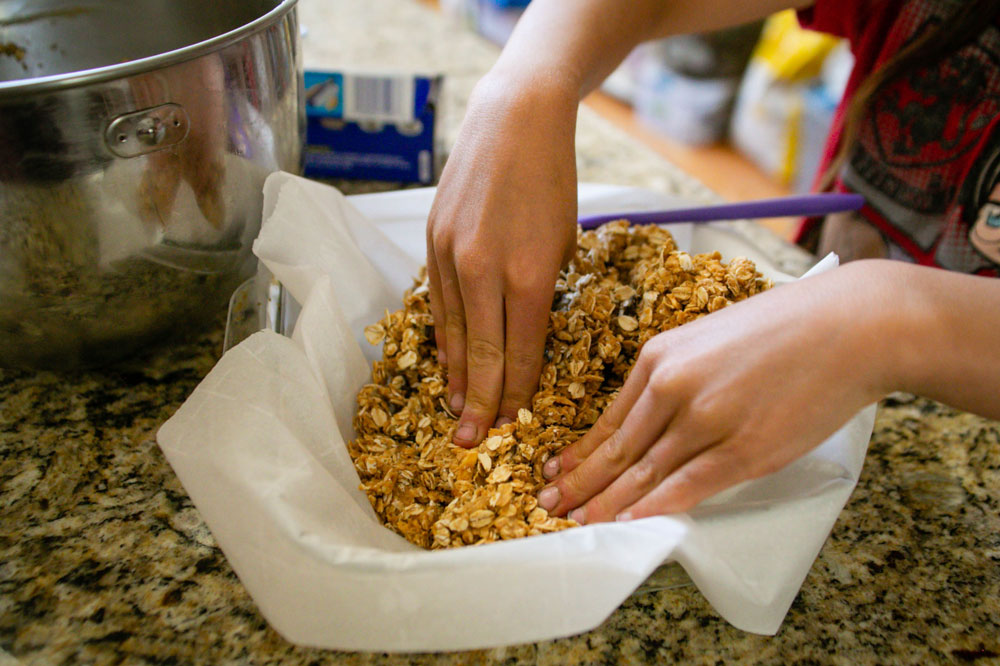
{"x":806,"y":205}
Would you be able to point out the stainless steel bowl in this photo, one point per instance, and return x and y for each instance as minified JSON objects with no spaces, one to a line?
{"x":135,"y":136}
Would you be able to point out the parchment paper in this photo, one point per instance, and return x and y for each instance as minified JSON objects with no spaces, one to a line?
{"x":260,"y":447}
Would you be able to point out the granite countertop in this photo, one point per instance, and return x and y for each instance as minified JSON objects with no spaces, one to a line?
{"x":104,"y":560}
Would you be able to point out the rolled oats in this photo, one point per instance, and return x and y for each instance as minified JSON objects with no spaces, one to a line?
{"x":624,"y":285}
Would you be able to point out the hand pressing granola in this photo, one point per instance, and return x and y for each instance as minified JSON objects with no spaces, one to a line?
{"x":706,"y":407}
{"x":502,"y":221}
{"x":623,"y":286}
{"x":494,"y":248}
{"x":744,"y":392}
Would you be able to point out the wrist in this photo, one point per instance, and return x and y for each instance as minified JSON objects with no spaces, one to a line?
{"x":522,"y":116}
{"x":892,"y":323}
{"x":539,"y":90}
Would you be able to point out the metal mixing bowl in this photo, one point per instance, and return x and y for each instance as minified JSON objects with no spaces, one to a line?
{"x":135,"y":136}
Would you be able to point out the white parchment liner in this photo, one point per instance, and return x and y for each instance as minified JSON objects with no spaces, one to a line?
{"x":260,"y":447}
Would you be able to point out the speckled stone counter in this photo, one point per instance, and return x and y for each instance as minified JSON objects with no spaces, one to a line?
{"x":104,"y":560}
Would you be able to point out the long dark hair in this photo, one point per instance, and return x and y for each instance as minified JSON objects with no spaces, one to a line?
{"x":968,"y":21}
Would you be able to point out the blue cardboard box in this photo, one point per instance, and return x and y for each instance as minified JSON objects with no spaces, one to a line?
{"x":372,"y":126}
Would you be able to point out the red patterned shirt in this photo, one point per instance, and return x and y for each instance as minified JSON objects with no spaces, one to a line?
{"x":927,"y":157}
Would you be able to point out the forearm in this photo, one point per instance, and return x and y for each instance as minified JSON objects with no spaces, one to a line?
{"x":575,"y":45}
{"x":946,"y":337}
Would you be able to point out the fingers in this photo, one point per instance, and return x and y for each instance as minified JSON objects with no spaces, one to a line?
{"x":689,"y":462}
{"x":437,"y":304}
{"x":661,"y":461}
{"x":448,"y":312}
{"x":621,"y":455}
{"x":472,"y":349}
{"x":672,"y":475}
{"x":708,"y":473}
{"x":610,"y":421}
{"x":494,"y":358}
{"x":484,"y":351}
{"x":454,"y":335}
{"x":527,"y":320}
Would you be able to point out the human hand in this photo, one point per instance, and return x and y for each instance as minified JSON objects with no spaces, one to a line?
{"x":502,"y":225}
{"x":732,"y":396}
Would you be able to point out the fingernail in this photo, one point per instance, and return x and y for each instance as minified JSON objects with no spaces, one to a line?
{"x":502,"y":421}
{"x":457,"y":403}
{"x":442,"y":357}
{"x":548,"y":498}
{"x":579,"y":515}
{"x":551,"y":467}
{"x":623,"y":516}
{"x":466,"y":432}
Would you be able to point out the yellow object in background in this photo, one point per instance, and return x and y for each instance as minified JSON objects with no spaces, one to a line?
{"x":791,"y":52}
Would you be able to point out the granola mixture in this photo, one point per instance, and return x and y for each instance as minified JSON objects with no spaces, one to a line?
{"x":625,"y":285}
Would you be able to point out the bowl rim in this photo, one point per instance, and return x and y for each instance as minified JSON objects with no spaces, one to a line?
{"x":18,"y":88}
